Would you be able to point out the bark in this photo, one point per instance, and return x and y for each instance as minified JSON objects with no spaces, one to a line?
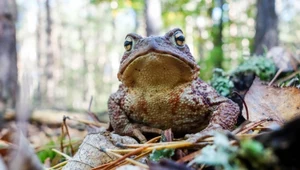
{"x":8,"y":55}
{"x":266,"y":35}
{"x":153,"y":17}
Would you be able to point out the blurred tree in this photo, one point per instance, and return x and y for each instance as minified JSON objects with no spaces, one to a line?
{"x":153,"y":17}
{"x":266,"y":35}
{"x":216,"y":54}
{"x":39,"y":49}
{"x":8,"y":55}
{"x":49,"y":67}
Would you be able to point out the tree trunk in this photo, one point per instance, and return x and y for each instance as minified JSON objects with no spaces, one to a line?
{"x":39,"y":50}
{"x":153,"y":17}
{"x":266,"y":35}
{"x":217,"y":35}
{"x":8,"y":55}
{"x":85,"y":64}
{"x":49,"y":82}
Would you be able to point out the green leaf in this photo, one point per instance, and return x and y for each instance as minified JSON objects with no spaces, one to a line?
{"x":156,"y":155}
{"x":254,"y":152}
{"x":47,"y":153}
{"x":263,"y":67}
{"x":219,"y":155}
{"x":221,"y":82}
{"x":222,"y":155}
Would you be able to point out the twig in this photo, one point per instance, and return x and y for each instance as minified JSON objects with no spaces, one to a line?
{"x":287,"y":77}
{"x":157,"y":146}
{"x":64,"y":124}
{"x":87,"y":122}
{"x":153,"y":140}
{"x":136,"y":158}
{"x":62,"y":137}
{"x":58,"y":165}
{"x":128,"y":160}
{"x":275,"y":77}
{"x":246,"y":107}
{"x":93,"y":115}
{"x":241,"y":127}
{"x":135,"y":151}
{"x":40,"y":148}
{"x":253,"y":125}
{"x":91,"y":101}
{"x":62,"y":154}
{"x":189,"y":157}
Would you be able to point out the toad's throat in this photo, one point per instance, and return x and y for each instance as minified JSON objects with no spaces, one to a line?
{"x":157,"y":70}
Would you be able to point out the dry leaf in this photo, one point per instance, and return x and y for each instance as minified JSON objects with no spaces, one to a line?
{"x":280,"y":104}
{"x":283,"y":59}
{"x":89,"y":155}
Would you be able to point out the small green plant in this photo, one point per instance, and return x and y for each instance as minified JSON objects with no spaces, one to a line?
{"x":295,"y":82}
{"x":221,"y":82}
{"x":47,"y":152}
{"x":156,"y":155}
{"x":249,"y":154}
{"x":261,"y":66}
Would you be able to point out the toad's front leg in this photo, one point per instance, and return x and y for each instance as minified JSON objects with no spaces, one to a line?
{"x":120,"y":122}
{"x":224,"y":116}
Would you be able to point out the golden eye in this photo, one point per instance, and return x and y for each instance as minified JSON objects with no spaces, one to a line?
{"x":128,"y":43}
{"x":179,"y":39}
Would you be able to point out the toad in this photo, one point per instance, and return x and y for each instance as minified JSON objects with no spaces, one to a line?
{"x":161,"y":89}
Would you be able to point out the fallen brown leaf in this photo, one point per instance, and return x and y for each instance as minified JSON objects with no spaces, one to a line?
{"x":284,"y":60}
{"x":279,"y":104}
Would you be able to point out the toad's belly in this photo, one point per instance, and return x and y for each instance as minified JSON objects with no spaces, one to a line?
{"x":178,"y":109}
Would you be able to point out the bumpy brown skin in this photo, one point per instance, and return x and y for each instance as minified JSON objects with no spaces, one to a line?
{"x":160,"y":89}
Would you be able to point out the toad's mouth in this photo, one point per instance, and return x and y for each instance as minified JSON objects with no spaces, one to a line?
{"x":156,"y":69}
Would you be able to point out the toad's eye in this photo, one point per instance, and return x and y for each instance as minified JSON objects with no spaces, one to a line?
{"x":128,"y":43}
{"x":179,"y":39}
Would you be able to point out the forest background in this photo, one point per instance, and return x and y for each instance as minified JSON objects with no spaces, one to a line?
{"x":62,"y":52}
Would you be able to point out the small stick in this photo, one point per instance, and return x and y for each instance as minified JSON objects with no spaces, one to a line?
{"x":135,"y":151}
{"x":136,"y":158}
{"x":241,"y":127}
{"x":59,"y":165}
{"x":287,"y":77}
{"x":91,"y":101}
{"x":246,"y":135}
{"x":189,"y":157}
{"x":151,"y":147}
{"x":275,"y":77}
{"x":246,"y":107}
{"x":253,"y":126}
{"x":153,"y":140}
{"x":62,"y":136}
{"x":62,"y":154}
{"x":68,"y":134}
{"x":171,"y":146}
{"x":98,"y":124}
{"x":128,"y":160}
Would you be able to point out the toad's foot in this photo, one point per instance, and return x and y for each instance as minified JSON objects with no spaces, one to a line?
{"x":207,"y":132}
{"x":193,"y":138}
{"x":137,"y":131}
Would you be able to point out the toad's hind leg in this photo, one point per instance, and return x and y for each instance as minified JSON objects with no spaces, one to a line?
{"x":120,"y":122}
